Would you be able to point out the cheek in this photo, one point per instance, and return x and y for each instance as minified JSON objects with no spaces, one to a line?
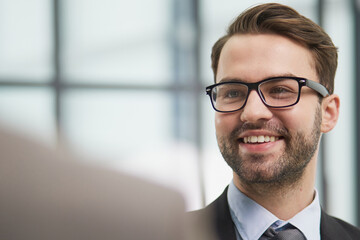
{"x":299,"y":119}
{"x":225,"y":123}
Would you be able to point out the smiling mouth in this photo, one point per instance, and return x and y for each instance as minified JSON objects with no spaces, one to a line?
{"x":259,"y":139}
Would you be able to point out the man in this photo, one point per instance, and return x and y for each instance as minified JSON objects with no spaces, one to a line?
{"x":273,"y":95}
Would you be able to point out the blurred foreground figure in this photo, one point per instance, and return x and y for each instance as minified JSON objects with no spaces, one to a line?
{"x":48,"y":195}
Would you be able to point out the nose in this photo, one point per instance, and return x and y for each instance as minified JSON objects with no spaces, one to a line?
{"x":255,"y":109}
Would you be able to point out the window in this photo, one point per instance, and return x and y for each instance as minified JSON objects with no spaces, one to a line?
{"x":122,"y":83}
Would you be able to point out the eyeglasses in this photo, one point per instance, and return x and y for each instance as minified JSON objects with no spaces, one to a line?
{"x":276,"y":92}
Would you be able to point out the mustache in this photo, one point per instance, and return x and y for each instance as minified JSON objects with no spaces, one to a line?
{"x":271,"y":127}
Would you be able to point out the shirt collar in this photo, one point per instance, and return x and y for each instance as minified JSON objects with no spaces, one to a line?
{"x":252,"y":220}
{"x":308,"y":220}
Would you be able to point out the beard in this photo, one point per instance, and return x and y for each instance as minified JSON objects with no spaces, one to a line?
{"x":286,"y":170}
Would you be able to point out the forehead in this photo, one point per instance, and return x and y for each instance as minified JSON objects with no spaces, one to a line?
{"x":253,"y":57}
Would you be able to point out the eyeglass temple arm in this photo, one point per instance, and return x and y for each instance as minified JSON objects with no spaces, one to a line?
{"x":317,"y":87}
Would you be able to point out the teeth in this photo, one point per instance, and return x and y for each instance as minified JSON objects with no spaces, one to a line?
{"x":260,"y":139}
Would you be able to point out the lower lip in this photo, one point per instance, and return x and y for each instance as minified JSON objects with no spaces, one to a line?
{"x":260,"y":147}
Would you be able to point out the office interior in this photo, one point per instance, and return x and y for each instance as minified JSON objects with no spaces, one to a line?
{"x":122,"y":84}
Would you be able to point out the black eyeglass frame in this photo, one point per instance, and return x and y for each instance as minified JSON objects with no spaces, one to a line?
{"x":318,"y":87}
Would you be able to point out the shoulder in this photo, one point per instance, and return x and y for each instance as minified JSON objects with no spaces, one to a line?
{"x":201,"y":222}
{"x":218,"y":209}
{"x":211,"y":212}
{"x":335,"y":228}
{"x":217,"y":216}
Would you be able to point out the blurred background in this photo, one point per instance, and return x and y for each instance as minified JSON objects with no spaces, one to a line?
{"x":122,"y":83}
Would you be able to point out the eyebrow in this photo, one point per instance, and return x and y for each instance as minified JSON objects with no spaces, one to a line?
{"x":231,"y":80}
{"x":235,"y":79}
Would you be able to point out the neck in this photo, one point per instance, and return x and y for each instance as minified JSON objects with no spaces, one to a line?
{"x":284,"y":201}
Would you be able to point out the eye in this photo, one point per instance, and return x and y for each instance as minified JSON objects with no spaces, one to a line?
{"x":280,"y":90}
{"x":233,"y":93}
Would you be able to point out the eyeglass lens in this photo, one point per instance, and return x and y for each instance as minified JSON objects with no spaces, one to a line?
{"x":274,"y":92}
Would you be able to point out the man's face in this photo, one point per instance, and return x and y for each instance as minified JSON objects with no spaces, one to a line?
{"x":261,"y":144}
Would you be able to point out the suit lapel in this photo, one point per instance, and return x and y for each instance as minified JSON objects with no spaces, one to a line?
{"x":330,"y":229}
{"x":223,"y":222}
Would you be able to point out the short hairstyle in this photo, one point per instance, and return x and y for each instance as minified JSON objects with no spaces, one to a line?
{"x":279,"y":19}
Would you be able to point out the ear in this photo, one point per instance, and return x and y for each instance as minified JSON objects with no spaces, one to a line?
{"x":330,"y":112}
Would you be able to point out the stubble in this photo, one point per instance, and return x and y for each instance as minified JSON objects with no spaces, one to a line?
{"x":286,"y":170}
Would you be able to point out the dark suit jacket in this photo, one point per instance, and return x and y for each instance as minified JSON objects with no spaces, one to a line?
{"x":219,"y":217}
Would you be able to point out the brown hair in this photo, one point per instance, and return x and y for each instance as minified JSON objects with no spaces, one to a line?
{"x":282,"y":20}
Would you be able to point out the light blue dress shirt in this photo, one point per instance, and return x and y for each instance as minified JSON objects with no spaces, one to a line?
{"x":251,"y":220}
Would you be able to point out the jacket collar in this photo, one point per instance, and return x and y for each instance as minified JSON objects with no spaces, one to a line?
{"x":330,"y":228}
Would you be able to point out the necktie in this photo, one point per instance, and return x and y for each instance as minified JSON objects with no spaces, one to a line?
{"x":290,"y":233}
